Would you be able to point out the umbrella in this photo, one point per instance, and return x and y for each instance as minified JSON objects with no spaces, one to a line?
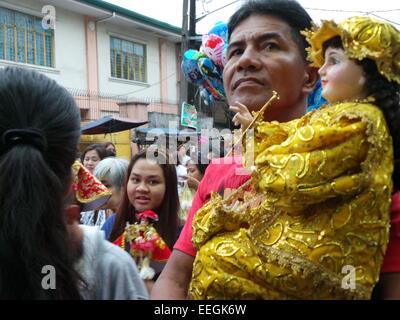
{"x":110,"y":124}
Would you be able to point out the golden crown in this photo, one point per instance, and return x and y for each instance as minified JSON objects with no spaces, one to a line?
{"x":362,"y":37}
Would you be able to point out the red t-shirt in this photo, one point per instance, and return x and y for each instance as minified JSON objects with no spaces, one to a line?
{"x":227,"y":173}
{"x":391,"y":262}
{"x":231,"y":175}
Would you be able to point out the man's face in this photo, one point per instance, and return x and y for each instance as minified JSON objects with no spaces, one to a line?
{"x":263,"y":56}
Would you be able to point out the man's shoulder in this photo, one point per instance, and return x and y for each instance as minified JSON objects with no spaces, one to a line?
{"x":226,"y":162}
{"x":227,"y":172}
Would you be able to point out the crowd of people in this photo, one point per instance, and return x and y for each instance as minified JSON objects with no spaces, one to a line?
{"x":317,"y":190}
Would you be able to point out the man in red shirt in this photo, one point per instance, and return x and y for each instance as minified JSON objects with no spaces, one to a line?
{"x":264,"y":56}
{"x":266,"y":52}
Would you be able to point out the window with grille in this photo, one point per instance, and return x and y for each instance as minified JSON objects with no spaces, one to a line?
{"x":23,"y":39}
{"x":128,"y":60}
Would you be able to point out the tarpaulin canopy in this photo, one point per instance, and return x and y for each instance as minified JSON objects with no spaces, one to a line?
{"x":168,"y":131}
{"x":110,"y":124}
{"x":151,"y":135}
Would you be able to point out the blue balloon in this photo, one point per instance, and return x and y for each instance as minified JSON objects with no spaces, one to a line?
{"x":220,"y":29}
{"x":190,"y":67}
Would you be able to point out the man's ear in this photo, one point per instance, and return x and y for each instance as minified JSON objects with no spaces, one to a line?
{"x":73,"y":214}
{"x":310,"y":79}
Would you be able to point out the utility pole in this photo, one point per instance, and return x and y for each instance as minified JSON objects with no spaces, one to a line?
{"x":192,"y":45}
{"x":188,"y":90}
{"x":184,"y":48}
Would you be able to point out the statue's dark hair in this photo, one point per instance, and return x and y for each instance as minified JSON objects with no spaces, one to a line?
{"x":387,"y":98}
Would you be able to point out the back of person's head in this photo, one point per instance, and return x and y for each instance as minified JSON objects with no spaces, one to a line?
{"x":289,"y":11}
{"x":114,"y":169}
{"x":168,"y":210}
{"x":108,"y":153}
{"x":39,"y":130}
{"x":110,"y":149}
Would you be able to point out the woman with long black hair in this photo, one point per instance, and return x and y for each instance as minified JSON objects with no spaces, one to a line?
{"x":39,"y":132}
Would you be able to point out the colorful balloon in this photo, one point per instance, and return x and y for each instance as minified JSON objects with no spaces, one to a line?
{"x":204,"y":68}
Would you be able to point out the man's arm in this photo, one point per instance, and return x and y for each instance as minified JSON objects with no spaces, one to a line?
{"x":173,"y":282}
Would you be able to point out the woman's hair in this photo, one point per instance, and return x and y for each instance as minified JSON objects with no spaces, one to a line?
{"x":39,"y":133}
{"x":114,"y":169}
{"x":387,"y":98}
{"x":168,"y":210}
{"x":289,"y":11}
{"x":201,"y":162}
{"x":101,"y":151}
{"x":106,"y":144}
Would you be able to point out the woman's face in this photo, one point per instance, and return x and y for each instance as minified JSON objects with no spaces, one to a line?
{"x":341,"y":78}
{"x":146,"y":185}
{"x":91,"y":160}
{"x":115,"y":198}
{"x":193,"y":171}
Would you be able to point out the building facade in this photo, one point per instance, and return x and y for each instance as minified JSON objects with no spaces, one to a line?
{"x":114,"y":61}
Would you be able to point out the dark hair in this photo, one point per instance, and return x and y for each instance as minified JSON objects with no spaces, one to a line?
{"x":168,"y":210}
{"x":288,"y":11}
{"x":109,"y":143}
{"x":201,"y":162}
{"x":35,"y":179}
{"x":387,"y":98}
{"x":101,"y":151}
{"x":108,"y":153}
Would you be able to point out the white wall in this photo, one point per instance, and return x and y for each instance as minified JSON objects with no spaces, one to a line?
{"x":70,"y":48}
{"x":70,"y":55}
{"x":149,"y":91}
{"x":171,"y":74}
{"x":120,"y":86}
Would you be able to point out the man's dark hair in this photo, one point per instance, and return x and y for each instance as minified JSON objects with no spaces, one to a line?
{"x":289,"y":11}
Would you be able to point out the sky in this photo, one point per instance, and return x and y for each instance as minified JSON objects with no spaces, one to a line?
{"x":170,"y":11}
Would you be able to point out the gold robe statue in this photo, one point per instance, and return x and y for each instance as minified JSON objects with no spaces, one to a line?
{"x":315,"y":223}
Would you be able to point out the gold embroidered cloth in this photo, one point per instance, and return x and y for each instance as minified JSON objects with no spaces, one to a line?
{"x":318,"y":208}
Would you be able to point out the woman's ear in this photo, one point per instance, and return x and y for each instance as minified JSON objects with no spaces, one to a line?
{"x":310,"y":79}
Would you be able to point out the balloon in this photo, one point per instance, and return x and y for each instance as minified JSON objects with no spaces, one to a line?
{"x":208,"y":68}
{"x":224,"y":56}
{"x":220,"y":29}
{"x":204,"y":68}
{"x":190,"y":67}
{"x":212,"y":46}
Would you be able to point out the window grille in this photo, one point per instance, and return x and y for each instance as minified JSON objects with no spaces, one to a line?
{"x":128,"y":60}
{"x":23,"y":39}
